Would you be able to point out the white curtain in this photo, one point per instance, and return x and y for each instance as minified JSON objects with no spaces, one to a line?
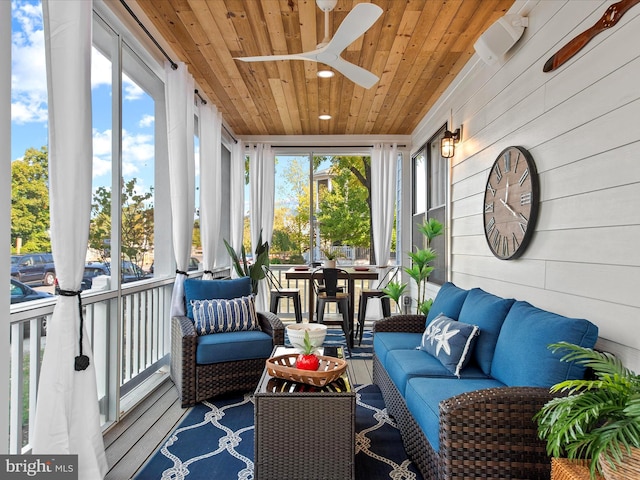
{"x":384,"y":160}
{"x":236,"y":202}
{"x":262,"y":173}
{"x":179,"y":92}
{"x":210,"y":172}
{"x":67,"y":413}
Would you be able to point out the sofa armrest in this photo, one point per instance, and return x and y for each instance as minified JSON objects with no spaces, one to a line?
{"x":401,"y":323}
{"x":272,"y":325}
{"x":183,"y":356}
{"x":492,"y":432}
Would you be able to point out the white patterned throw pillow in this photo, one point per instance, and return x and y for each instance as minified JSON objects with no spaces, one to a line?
{"x":449,"y":341}
{"x":221,"y":315}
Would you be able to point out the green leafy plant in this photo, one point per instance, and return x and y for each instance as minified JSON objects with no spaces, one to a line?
{"x":246,"y":269}
{"x":332,"y":254}
{"x":597,"y":419}
{"x":420,"y":268}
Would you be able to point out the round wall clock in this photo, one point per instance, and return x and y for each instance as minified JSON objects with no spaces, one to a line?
{"x":511,"y":203}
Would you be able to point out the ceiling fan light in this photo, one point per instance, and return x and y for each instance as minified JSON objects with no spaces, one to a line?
{"x":325,"y":73}
{"x":324,"y":116}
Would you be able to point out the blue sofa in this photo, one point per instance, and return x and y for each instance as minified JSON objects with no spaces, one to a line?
{"x":205,"y":365}
{"x":477,"y":424}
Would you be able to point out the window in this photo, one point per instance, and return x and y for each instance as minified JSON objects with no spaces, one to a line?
{"x":430,"y":184}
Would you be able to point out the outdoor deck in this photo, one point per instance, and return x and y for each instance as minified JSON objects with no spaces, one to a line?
{"x":134,"y":440}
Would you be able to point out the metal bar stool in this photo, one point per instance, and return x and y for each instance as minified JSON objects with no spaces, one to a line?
{"x":330,"y":292}
{"x":369,"y":293}
{"x":277,"y":292}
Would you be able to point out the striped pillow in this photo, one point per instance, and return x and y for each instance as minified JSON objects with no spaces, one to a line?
{"x":221,"y":315}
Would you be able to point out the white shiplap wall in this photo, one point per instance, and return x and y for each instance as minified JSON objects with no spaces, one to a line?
{"x":581,"y":123}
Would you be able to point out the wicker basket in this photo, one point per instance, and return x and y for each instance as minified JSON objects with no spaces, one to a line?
{"x":329,"y":370}
{"x":566,"y":469}
{"x":628,"y":469}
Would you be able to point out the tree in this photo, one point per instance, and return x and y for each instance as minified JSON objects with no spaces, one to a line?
{"x":30,"y":201}
{"x":345,"y":211}
{"x":137,"y":222}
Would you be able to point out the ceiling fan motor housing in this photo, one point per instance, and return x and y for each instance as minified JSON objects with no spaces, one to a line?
{"x":326,"y":5}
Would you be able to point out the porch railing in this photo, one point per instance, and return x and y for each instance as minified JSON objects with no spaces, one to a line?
{"x":129,"y":332}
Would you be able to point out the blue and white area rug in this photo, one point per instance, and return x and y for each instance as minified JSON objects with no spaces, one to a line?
{"x":215,"y":441}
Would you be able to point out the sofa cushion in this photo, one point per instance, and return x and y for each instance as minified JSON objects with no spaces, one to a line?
{"x":450,"y":341}
{"x":384,"y":342}
{"x":402,"y":365}
{"x":196,"y":289}
{"x":487,"y":312}
{"x":423,"y":397}
{"x":221,"y":315}
{"x":448,"y":302}
{"x":233,"y":346}
{"x":522,"y":356}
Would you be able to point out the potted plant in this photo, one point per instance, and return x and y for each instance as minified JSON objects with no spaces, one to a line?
{"x":330,"y":257}
{"x":244,"y":268}
{"x":598,"y":419}
{"x":420,"y":268}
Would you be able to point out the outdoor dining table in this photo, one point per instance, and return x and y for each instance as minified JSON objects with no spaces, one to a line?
{"x":355,"y":273}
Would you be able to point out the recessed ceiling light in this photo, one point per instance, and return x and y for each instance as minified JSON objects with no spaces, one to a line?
{"x":325,"y":117}
{"x":325,"y":73}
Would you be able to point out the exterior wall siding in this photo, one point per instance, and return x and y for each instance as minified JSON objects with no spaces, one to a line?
{"x":580,"y":123}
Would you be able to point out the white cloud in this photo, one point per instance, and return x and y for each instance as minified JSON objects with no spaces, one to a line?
{"x":146,"y":120}
{"x":28,"y":69}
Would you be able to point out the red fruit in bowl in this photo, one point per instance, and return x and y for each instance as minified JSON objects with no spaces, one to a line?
{"x":307,"y":360}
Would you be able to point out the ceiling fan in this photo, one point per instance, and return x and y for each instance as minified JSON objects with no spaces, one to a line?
{"x":358,"y":21}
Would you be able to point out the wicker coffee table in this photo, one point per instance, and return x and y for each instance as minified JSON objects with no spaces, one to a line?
{"x":304,"y":432}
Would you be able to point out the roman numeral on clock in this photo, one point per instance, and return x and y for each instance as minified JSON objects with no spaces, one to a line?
{"x":525,"y":198}
{"x":491,"y":225}
{"x":516,"y":244}
{"x":498,"y":173}
{"x":496,"y":240}
{"x":491,"y":189}
{"x":505,"y":247}
{"x":524,"y":176}
{"x":507,"y":161}
{"x":488,"y":207}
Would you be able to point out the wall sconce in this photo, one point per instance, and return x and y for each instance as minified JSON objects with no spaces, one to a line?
{"x":447,"y":144}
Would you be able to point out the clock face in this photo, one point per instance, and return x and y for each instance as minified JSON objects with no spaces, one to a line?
{"x":511,"y":203}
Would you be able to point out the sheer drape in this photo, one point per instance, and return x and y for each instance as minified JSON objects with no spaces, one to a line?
{"x":67,"y":413}
{"x":384,"y":160}
{"x":236,"y":191}
{"x":210,"y":172}
{"x":179,"y":89}
{"x":262,"y":187}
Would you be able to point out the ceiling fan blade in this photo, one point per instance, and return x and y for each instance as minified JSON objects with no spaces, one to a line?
{"x":358,"y":21}
{"x":269,"y":58}
{"x":353,"y":72}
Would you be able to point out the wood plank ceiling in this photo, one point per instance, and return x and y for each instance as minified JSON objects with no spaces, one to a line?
{"x":416,"y":48}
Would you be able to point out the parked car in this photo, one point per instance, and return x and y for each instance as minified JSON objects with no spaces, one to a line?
{"x":24,"y":293}
{"x":130,"y":272}
{"x":33,"y":268}
{"x":194,"y":264}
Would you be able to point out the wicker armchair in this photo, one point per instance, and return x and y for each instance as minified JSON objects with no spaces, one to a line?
{"x":196,"y":382}
{"x":483,"y":434}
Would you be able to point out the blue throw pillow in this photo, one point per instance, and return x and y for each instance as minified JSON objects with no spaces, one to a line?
{"x":196,"y":289}
{"x":448,"y":302}
{"x":449,"y":341}
{"x":223,"y":316}
{"x":522,"y":356}
{"x":487,"y":312}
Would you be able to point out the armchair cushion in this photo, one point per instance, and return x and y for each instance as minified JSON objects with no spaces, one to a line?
{"x":233,"y":346}
{"x":221,"y":315}
{"x":196,"y":289}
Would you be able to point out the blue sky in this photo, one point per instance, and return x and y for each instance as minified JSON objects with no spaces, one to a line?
{"x":29,"y":103}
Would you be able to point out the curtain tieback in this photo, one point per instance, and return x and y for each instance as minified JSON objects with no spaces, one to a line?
{"x":81,"y":361}
{"x":182,"y":272}
{"x":209,"y":272}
